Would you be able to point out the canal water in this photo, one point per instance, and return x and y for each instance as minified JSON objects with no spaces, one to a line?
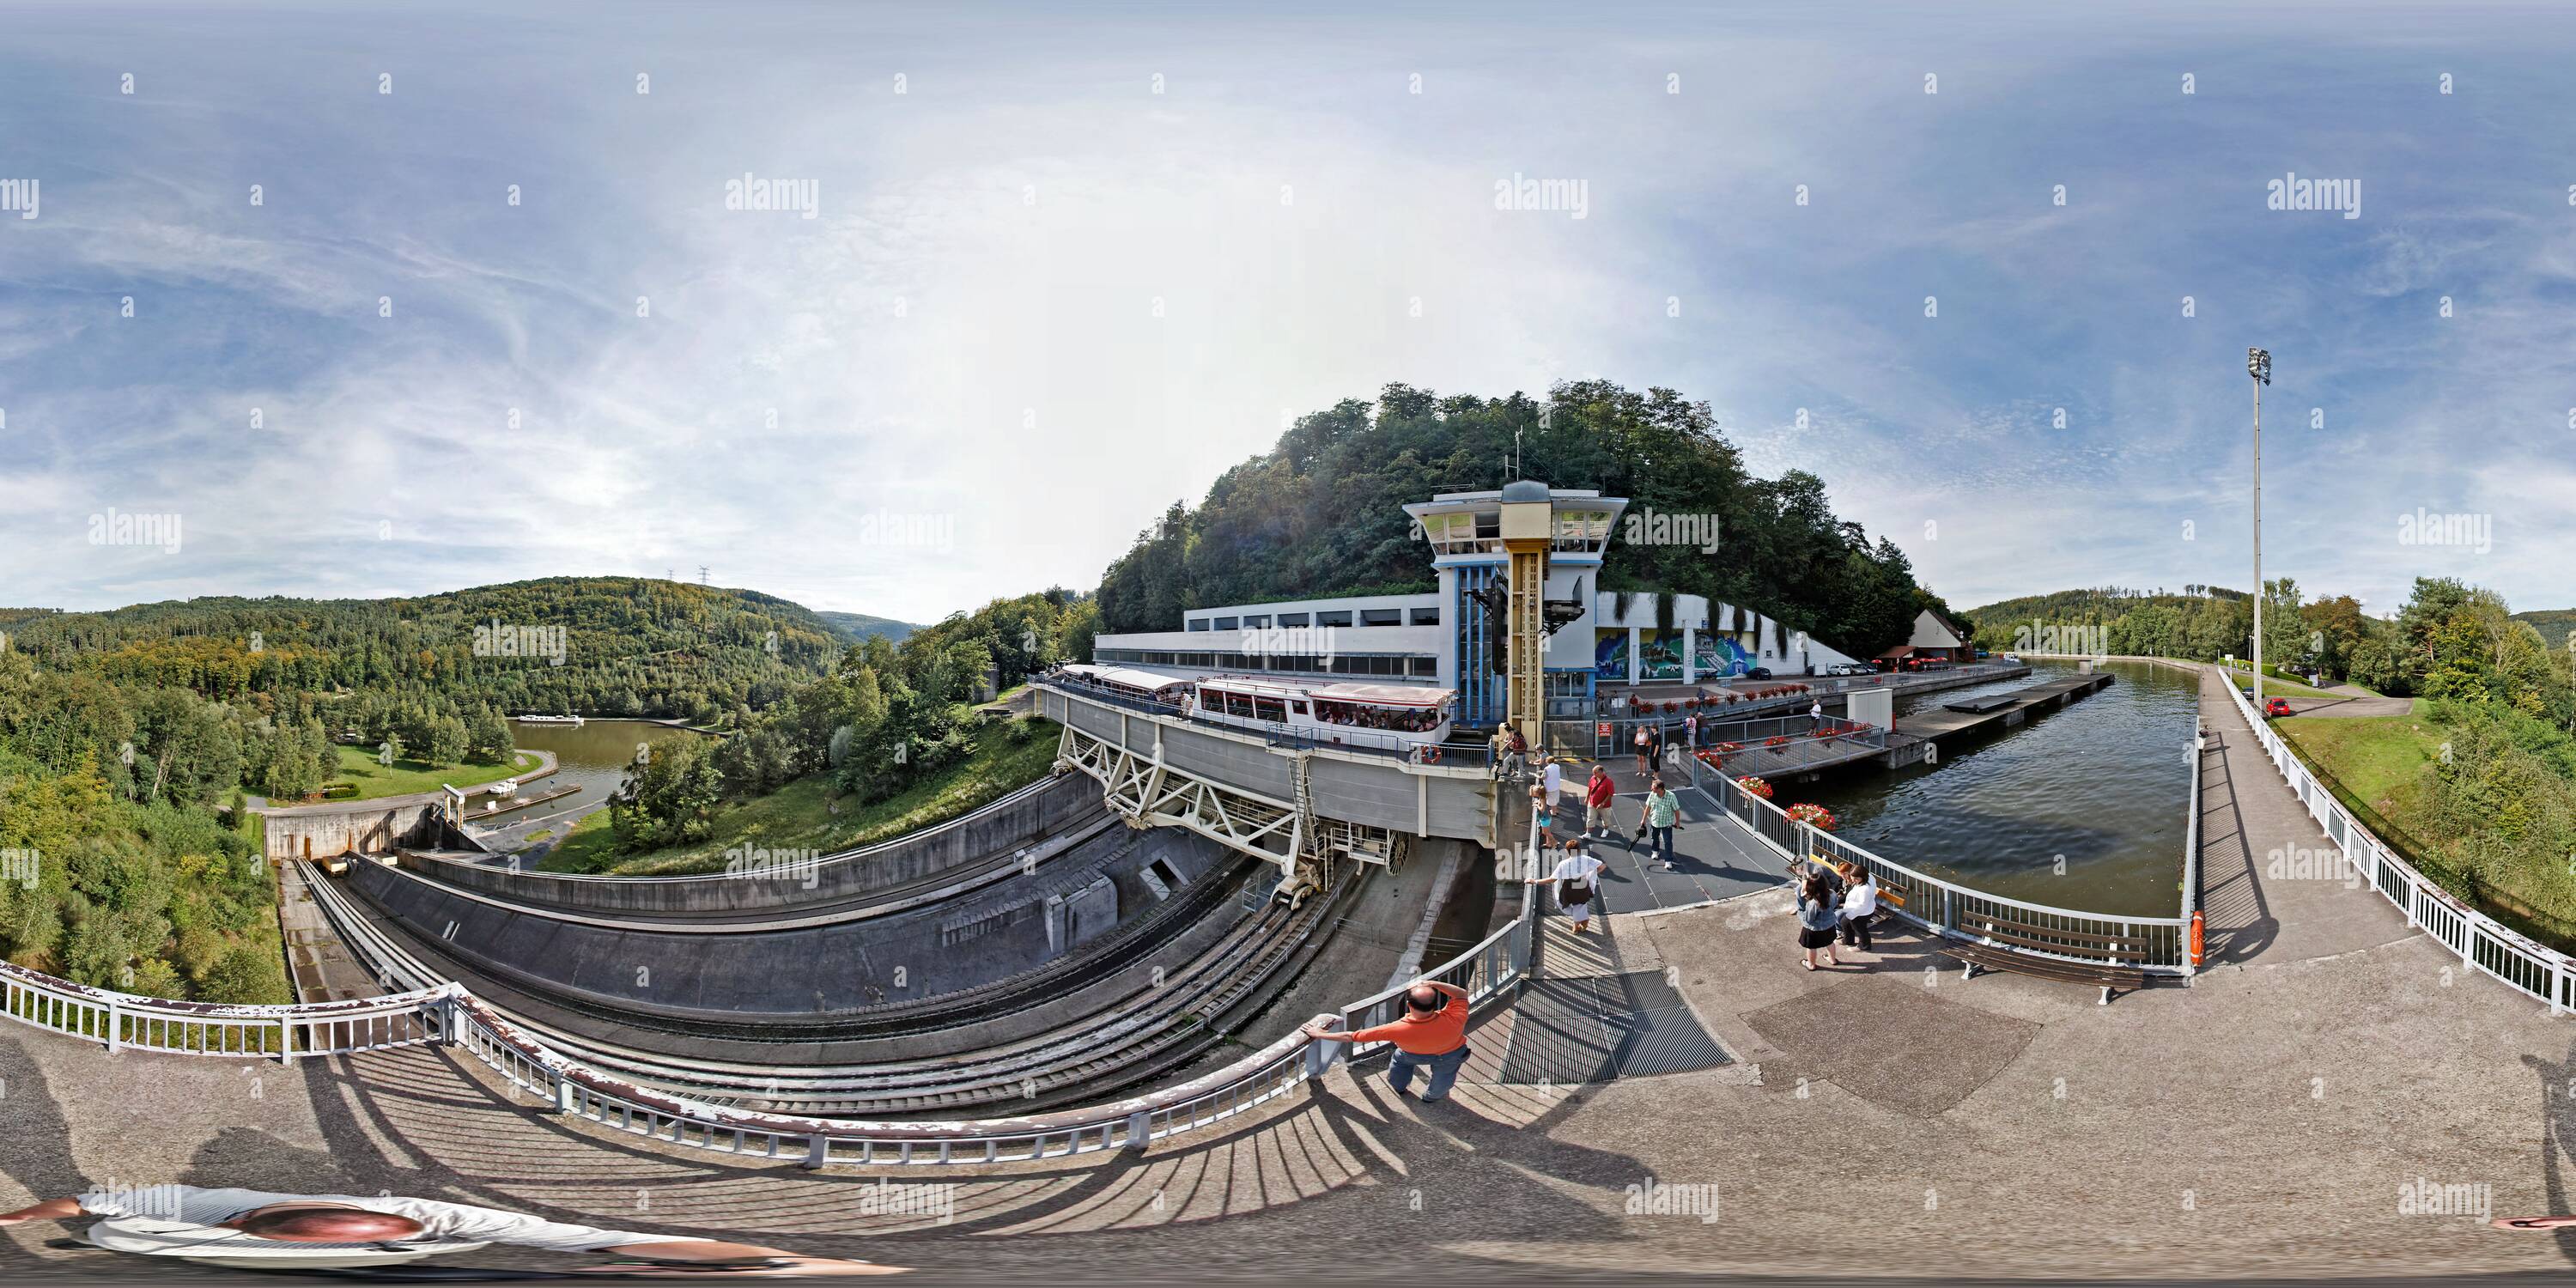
{"x":593,"y":756}
{"x":2082,"y":807}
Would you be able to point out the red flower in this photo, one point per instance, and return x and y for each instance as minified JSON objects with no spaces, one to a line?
{"x":1815,"y":816}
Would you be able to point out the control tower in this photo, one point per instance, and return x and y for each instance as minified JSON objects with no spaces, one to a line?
{"x":1515,"y":565}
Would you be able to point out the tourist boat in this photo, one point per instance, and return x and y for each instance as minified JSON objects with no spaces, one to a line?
{"x":1375,"y":715}
{"x":1128,"y":682}
{"x":504,"y":789}
{"x":561,"y":720}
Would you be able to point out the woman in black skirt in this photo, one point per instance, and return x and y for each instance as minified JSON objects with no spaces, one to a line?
{"x":1818,"y":912}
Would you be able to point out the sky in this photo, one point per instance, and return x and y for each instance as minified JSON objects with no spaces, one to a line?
{"x":385,"y":300}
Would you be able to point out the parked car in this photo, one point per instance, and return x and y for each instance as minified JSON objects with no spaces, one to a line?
{"x":1758,"y":673}
{"x":2276,"y":707}
{"x":1851,"y":668}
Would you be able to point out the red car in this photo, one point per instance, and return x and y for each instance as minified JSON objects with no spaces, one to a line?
{"x":2276,"y":707}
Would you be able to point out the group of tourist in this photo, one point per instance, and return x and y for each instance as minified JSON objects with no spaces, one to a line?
{"x":1839,"y":899}
{"x":1399,"y":720}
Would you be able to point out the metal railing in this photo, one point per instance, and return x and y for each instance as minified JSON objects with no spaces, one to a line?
{"x":2159,"y":945}
{"x":2482,"y":943}
{"x":123,"y":1021}
{"x":445,"y":1012}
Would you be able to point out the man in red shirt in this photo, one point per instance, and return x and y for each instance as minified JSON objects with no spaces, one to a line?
{"x":1432,"y":1034}
{"x":1597,"y":795}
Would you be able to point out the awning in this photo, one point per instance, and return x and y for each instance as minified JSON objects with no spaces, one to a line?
{"x":1382,"y":695}
{"x":1129,"y":677}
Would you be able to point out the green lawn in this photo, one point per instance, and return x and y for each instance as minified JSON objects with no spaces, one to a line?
{"x":2385,"y":762}
{"x":798,"y":816}
{"x":406,"y":777}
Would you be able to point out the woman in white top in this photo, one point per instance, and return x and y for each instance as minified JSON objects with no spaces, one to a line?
{"x":1554,"y":777}
{"x":1577,"y":880}
{"x":1860,"y":903}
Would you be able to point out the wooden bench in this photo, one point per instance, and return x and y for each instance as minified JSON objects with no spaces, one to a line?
{"x":2111,"y":975}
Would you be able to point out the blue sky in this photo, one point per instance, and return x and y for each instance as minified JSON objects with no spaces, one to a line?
{"x":1039,"y":300}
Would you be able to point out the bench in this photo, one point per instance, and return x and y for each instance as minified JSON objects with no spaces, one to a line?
{"x":2111,"y":975}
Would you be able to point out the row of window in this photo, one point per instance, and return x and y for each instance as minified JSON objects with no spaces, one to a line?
{"x":1426,"y":615}
{"x":1345,"y":664}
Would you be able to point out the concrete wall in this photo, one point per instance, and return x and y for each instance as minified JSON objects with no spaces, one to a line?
{"x":365,"y":826}
{"x":1022,"y":819}
{"x":784,"y":976}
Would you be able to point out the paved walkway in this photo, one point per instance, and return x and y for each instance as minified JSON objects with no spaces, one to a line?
{"x":1880,"y":1119}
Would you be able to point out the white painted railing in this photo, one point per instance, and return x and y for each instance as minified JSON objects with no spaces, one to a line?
{"x":2482,"y":944}
{"x":2158,"y":945}
{"x":120,"y":1021}
{"x":445,"y":1012}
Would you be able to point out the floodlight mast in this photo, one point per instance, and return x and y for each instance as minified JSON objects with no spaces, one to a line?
{"x":2258,"y":364}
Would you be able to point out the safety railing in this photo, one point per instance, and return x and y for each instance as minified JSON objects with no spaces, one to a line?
{"x":2156,"y":944}
{"x":445,"y":1012}
{"x":2483,"y":945}
{"x":122,"y":1021}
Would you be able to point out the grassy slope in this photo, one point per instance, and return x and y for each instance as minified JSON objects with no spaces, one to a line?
{"x":2386,"y":762}
{"x":406,"y":777}
{"x":798,"y":816}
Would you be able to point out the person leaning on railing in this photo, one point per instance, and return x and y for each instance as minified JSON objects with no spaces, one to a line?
{"x":1431,"y":1034}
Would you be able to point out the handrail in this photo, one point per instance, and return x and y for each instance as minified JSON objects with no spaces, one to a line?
{"x":2484,"y":945}
{"x":2156,"y":944}
{"x":448,"y":1013}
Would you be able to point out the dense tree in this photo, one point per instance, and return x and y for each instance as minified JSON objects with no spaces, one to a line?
{"x":1321,"y":513}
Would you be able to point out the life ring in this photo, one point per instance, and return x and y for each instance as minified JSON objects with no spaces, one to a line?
{"x":1430,"y":755}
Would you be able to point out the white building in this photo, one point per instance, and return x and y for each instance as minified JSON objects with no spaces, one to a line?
{"x":1604,"y":641}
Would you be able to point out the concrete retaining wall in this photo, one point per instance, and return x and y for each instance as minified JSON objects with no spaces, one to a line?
{"x":1024,"y":818}
{"x":369,"y":827}
{"x":804,"y":974}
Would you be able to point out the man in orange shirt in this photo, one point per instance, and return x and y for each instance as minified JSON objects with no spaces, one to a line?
{"x":1432,"y":1034}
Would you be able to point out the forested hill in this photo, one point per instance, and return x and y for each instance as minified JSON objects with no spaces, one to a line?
{"x":626,"y":645}
{"x":2554,"y":624}
{"x":855,"y":627}
{"x":1321,"y":513}
{"x":2097,"y":606}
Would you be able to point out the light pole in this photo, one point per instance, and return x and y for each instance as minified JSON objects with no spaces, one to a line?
{"x":2258,"y":364}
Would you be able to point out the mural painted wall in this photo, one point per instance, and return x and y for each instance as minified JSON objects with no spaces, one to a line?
{"x":1610,"y":654}
{"x":1659,"y":655}
{"x":1721,"y":655}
